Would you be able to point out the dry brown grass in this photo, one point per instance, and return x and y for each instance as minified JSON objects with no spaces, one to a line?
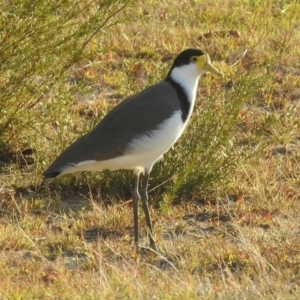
{"x":73,"y":239}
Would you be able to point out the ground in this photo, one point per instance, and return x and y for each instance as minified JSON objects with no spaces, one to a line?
{"x":73,"y":238}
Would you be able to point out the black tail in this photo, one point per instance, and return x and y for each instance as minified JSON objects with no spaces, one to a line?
{"x":50,"y":175}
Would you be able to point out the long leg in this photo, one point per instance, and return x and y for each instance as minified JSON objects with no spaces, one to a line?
{"x":135,"y":200}
{"x":144,"y":196}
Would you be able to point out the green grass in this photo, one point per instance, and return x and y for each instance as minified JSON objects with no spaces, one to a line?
{"x":225,"y":199}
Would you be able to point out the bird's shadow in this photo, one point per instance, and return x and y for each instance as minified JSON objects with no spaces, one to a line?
{"x":95,"y":234}
{"x":55,"y":201}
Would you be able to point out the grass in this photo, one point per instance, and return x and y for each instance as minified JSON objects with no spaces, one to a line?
{"x":225,"y":214}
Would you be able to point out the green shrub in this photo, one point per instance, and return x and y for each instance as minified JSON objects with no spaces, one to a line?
{"x":200,"y":164}
{"x":39,"y":42}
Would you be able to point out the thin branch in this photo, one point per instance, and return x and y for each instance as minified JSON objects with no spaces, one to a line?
{"x":243,"y":55}
{"x":113,"y":14}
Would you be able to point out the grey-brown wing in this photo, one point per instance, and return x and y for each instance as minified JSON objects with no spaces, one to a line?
{"x":134,"y":117}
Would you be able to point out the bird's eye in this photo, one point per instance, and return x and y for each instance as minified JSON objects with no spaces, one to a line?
{"x":193,"y":59}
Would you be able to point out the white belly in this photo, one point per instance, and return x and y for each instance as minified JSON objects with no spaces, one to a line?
{"x":142,"y":152}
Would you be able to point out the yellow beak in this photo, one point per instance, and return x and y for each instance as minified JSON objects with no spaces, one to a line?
{"x":210,"y":68}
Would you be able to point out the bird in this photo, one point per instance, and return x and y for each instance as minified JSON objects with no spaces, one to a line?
{"x":139,"y":131}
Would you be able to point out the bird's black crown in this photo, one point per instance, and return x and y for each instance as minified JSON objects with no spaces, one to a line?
{"x":184,"y":58}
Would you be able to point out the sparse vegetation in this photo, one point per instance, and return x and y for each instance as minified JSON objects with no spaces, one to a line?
{"x":40,"y":42}
{"x":225,"y":199}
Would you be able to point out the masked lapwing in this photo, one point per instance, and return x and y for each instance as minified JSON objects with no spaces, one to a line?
{"x":138,"y":131}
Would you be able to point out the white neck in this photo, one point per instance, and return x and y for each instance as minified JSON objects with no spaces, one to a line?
{"x":187,"y":76}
